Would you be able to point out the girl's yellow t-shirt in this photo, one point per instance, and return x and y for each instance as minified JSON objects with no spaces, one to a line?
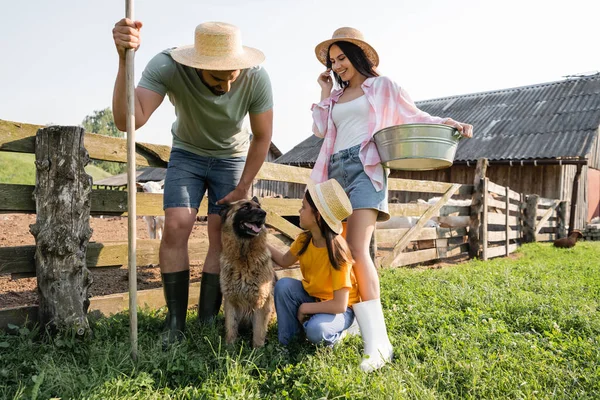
{"x":319,"y":278}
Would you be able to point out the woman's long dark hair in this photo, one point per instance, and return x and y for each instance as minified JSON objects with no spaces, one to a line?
{"x":358,"y":59}
{"x":337,"y":248}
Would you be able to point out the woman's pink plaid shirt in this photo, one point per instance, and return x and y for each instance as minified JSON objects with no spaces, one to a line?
{"x":389,"y":105}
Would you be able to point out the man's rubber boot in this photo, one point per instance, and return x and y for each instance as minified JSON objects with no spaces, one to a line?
{"x":176,"y":287}
{"x":210,"y":298}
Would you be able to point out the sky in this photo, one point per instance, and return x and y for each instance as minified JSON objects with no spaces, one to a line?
{"x":59,"y":61}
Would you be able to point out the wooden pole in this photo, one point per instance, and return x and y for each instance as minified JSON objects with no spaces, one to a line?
{"x":476,"y":208}
{"x":131,"y":190}
{"x":484,"y":220}
{"x":507,"y":227}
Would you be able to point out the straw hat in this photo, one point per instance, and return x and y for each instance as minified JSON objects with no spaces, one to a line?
{"x":346,"y":34}
{"x":331,"y":201}
{"x":218,"y":47}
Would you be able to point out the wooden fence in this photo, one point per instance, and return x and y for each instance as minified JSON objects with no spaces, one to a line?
{"x":501,"y":228}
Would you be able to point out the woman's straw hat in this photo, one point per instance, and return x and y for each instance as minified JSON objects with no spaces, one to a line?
{"x":346,"y":34}
{"x":331,"y":201}
{"x":218,"y":47}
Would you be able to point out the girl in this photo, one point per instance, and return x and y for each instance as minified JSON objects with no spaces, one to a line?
{"x":320,"y":303}
{"x":347,"y":118}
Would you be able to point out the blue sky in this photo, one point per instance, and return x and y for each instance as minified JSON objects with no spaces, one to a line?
{"x":59,"y":61}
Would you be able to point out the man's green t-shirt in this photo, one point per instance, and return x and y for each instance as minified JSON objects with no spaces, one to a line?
{"x":208,"y":124}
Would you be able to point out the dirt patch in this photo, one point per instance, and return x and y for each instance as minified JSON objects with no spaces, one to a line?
{"x":14,"y":231}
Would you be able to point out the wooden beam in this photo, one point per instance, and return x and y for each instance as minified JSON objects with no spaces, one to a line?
{"x":282,"y":225}
{"x":501,"y":250}
{"x":20,"y":259}
{"x":410,"y":185}
{"x":115,"y":303}
{"x":413,"y":231}
{"x":19,"y":198}
{"x":484,"y":219}
{"x":546,"y":216}
{"x":283,"y":173}
{"x":19,"y":137}
{"x":501,"y":190}
{"x":477,"y":208}
{"x":501,"y":219}
{"x":530,"y":213}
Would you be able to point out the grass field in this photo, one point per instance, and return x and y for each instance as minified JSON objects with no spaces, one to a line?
{"x":525,"y":327}
{"x":19,"y":168}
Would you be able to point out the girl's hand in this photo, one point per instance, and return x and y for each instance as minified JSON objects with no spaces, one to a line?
{"x":465,"y":130}
{"x":325,"y":81}
{"x":301,"y":316}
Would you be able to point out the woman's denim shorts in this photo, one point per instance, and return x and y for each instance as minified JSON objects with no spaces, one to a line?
{"x":190,"y":175}
{"x":346,"y":168}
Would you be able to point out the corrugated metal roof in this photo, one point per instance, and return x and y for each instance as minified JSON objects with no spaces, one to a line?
{"x":549,"y":120}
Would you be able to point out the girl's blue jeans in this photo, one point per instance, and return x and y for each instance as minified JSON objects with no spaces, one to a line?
{"x":320,"y":328}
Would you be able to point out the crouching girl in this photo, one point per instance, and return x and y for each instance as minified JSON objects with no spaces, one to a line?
{"x":321,"y":303}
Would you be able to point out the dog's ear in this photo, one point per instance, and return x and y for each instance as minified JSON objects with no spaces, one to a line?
{"x":223,"y":212}
{"x":255,"y":199}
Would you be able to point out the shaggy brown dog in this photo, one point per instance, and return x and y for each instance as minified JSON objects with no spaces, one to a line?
{"x":570,"y":240}
{"x":247,"y":275}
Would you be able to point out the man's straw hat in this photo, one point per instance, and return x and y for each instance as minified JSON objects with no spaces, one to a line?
{"x":346,"y":34}
{"x":331,"y":201}
{"x":218,"y":47}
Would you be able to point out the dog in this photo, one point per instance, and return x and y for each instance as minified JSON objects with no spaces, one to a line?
{"x":569,"y":241}
{"x":247,"y":276}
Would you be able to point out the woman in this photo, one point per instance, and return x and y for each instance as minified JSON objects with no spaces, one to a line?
{"x":348,"y":118}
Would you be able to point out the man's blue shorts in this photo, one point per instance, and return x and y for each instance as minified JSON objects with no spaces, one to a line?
{"x":190,"y":175}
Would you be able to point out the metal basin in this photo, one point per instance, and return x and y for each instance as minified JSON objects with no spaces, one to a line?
{"x":417,"y":147}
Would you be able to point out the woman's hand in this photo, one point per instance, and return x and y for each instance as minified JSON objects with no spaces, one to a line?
{"x":465,"y":130}
{"x":325,"y":81}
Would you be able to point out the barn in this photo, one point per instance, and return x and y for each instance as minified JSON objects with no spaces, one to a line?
{"x":539,"y":139}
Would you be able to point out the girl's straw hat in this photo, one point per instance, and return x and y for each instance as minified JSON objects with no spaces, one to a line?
{"x":346,"y":34}
{"x":218,"y":47}
{"x":331,"y":201}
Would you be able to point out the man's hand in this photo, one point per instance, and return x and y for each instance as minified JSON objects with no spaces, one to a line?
{"x":126,"y":34}
{"x":236,"y":194}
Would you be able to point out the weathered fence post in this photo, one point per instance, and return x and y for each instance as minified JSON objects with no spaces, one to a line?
{"x":484,"y":220}
{"x":561,"y":219}
{"x":507,"y":227}
{"x":530,"y":218}
{"x":62,"y":229}
{"x":476,"y":207}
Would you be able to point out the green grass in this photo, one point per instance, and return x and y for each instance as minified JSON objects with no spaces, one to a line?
{"x":19,"y":168}
{"x":524,"y":328}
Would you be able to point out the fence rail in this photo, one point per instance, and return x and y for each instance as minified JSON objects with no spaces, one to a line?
{"x":506,"y":218}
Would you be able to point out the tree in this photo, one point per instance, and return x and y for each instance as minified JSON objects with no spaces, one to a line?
{"x":102,"y":122}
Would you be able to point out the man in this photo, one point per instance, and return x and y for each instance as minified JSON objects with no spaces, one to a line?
{"x":213,"y":85}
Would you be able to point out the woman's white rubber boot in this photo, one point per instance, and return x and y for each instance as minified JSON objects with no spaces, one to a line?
{"x":377,"y":347}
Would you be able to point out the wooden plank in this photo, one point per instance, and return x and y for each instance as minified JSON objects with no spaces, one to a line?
{"x":19,"y":198}
{"x":282,"y":225}
{"x":546,"y":237}
{"x":501,"y":236}
{"x":546,"y":216}
{"x":501,"y":190}
{"x":408,"y":209}
{"x":283,"y":173}
{"x":477,"y":208}
{"x":393,"y":235}
{"x":115,"y":303}
{"x":500,"y":219}
{"x":410,"y":185}
{"x":413,"y":231}
{"x":20,"y":137}
{"x":547,"y":202}
{"x":20,"y":259}
{"x":501,"y":250}
{"x":501,"y":205}
{"x":485,"y":219}
{"x":507,"y":227}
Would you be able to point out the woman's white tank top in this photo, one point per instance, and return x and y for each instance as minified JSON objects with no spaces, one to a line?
{"x":352,"y":122}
